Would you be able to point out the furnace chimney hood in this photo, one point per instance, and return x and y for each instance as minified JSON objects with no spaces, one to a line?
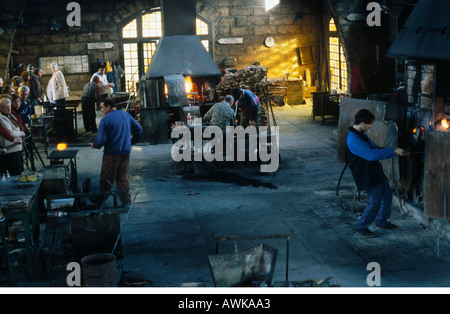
{"x":180,"y":51}
{"x":426,"y":33}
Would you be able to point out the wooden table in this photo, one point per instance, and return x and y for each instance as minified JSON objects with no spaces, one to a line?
{"x":19,"y":201}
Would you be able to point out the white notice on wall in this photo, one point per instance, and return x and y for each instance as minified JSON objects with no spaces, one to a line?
{"x":231,"y":41}
{"x":107,"y":45}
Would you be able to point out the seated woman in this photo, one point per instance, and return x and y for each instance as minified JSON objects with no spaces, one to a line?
{"x":11,"y":134}
{"x":15,"y":106}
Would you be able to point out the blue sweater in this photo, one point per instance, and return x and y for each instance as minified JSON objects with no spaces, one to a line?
{"x":361,"y":145}
{"x":114,"y":133}
{"x":249,"y":104}
{"x":364,"y":160}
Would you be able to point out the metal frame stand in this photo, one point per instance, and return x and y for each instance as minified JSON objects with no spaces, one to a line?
{"x":6,"y":250}
{"x":275,"y":236}
{"x":30,"y":156}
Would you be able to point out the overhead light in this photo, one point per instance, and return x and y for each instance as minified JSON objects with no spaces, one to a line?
{"x":270,"y":4}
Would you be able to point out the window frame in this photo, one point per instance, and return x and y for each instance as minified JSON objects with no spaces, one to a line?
{"x":343,"y":81}
{"x":140,"y":40}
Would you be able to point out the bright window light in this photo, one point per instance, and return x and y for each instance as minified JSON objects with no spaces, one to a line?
{"x":270,"y":4}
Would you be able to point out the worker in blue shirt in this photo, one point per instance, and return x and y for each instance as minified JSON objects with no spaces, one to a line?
{"x":114,"y":134}
{"x":249,"y":105}
{"x":363,"y":158}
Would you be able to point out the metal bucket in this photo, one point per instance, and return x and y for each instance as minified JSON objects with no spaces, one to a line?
{"x":98,"y":271}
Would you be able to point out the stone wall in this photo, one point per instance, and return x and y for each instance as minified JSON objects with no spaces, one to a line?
{"x":250,"y":21}
{"x":292,"y":24}
{"x":100,"y":22}
{"x":229,"y":19}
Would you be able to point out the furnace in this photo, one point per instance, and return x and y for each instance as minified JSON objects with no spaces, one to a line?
{"x":423,"y":45}
{"x":179,"y":75}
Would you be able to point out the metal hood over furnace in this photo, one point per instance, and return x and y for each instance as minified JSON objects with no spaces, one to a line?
{"x":180,"y":51}
{"x":426,"y":33}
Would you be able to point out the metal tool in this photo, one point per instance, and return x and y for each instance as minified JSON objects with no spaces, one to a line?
{"x":443,"y":223}
{"x":121,"y":229}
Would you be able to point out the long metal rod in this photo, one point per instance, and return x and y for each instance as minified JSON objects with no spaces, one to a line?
{"x":17,"y":144}
{"x":121,"y":229}
{"x":444,"y":221}
{"x":13,"y":38}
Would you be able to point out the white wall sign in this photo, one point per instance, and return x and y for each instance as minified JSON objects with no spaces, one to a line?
{"x":231,"y":41}
{"x":100,"y":45}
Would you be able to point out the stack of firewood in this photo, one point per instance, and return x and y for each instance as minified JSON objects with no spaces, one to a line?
{"x":253,"y":77}
{"x":277,"y":91}
{"x":271,"y":92}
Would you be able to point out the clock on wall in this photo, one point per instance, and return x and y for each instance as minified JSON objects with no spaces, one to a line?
{"x":269,"y":42}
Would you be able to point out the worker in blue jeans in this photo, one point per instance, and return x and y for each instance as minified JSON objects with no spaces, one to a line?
{"x":363,"y":158}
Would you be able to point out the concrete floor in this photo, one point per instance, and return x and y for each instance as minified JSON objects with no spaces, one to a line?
{"x":170,"y":231}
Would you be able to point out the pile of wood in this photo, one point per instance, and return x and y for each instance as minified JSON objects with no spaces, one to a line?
{"x":277,"y":91}
{"x":271,"y":92}
{"x":253,"y":77}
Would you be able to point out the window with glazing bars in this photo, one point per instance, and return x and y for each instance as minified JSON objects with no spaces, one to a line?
{"x":140,"y":38}
{"x":338,"y":63}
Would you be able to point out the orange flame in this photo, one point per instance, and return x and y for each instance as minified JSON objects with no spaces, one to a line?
{"x":188,"y":84}
{"x":445,"y":124}
{"x":61,"y":146}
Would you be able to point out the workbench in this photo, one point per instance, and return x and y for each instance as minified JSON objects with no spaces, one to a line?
{"x":19,"y":201}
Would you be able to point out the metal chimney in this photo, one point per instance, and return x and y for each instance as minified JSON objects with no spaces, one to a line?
{"x":180,"y":51}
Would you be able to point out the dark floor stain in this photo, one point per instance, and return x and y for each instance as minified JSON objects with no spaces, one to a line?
{"x":225,"y":177}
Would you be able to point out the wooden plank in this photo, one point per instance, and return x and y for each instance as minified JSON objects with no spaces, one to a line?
{"x":437,"y":168}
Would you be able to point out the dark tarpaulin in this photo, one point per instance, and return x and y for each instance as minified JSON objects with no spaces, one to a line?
{"x":426,"y":33}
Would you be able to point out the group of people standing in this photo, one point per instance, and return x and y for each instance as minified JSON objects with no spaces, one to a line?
{"x":21,"y":94}
{"x":94,"y":92}
{"x":12,"y":135}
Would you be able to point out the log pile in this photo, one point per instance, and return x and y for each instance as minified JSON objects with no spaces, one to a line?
{"x":277,"y":91}
{"x":253,"y":77}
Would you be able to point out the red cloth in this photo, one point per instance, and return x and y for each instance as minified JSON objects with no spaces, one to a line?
{"x":357,"y":85}
{"x":22,"y":126}
{"x":5,"y":134}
